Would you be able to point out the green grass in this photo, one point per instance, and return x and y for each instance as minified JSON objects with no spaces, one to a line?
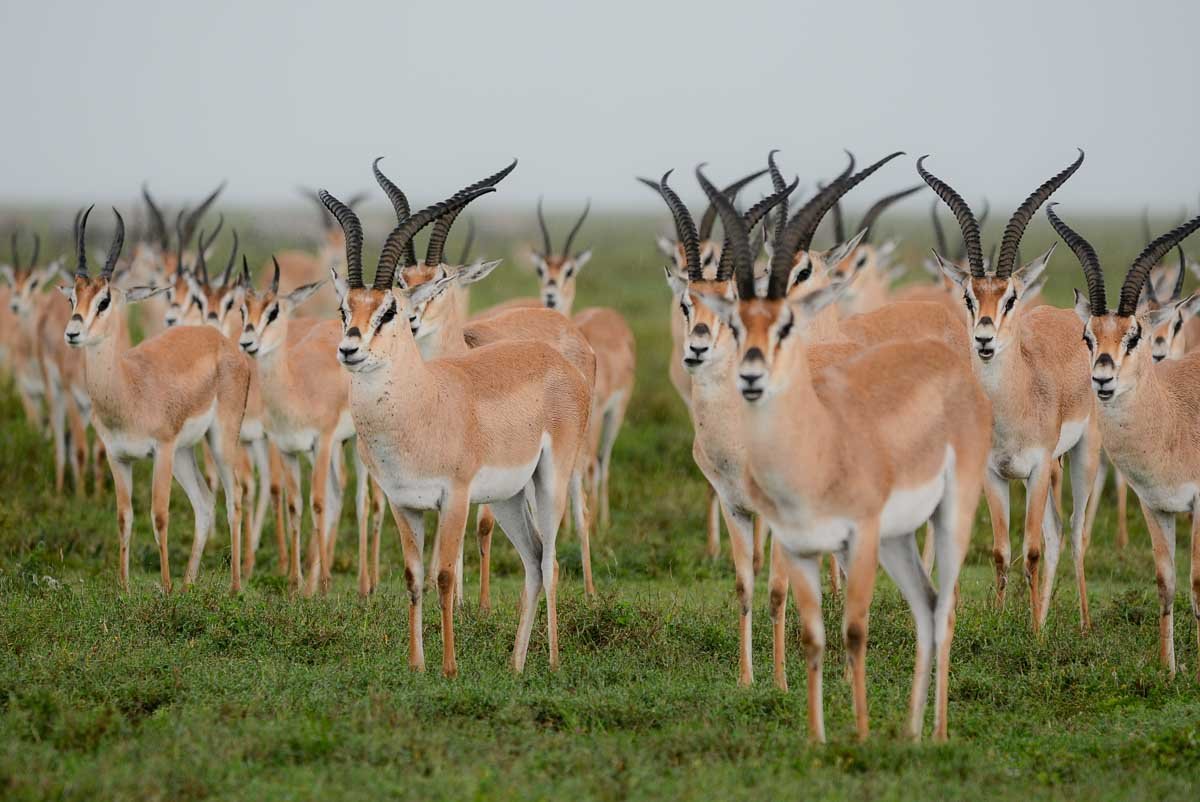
{"x":200,"y":695}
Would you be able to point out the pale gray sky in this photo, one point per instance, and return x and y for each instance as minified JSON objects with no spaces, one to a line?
{"x":100,"y":96}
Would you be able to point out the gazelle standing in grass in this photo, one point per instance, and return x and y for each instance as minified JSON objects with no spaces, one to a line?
{"x":25,"y":296}
{"x":853,"y":459}
{"x":518,"y":412}
{"x":158,"y":400}
{"x":1147,"y":411}
{"x":1031,"y":364}
{"x":718,"y":447}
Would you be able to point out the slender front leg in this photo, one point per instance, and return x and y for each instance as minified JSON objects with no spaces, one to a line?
{"x":995,"y":490}
{"x":901,"y":561}
{"x":277,"y":500}
{"x":777,"y":589}
{"x":484,"y":527}
{"x":122,"y":474}
{"x":714,"y":522}
{"x":295,"y":516}
{"x":860,"y":587}
{"x":1122,"y":511}
{"x":760,"y":539}
{"x":1195,"y":577}
{"x":187,"y":473}
{"x":411,"y":524}
{"x":805,"y":576}
{"x":160,"y":503}
{"x":1085,"y":463}
{"x":1162,"y":537}
{"x":452,"y":526}
{"x":377,"y":532}
{"x":1036,"y":498}
{"x":740,"y":524}
{"x":318,"y":491}
{"x":362,"y":515}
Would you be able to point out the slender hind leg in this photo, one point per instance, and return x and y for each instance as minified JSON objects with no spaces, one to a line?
{"x":1085,"y":462}
{"x":266,"y":492}
{"x":1094,"y":496}
{"x":516,"y":519}
{"x":362,"y":515}
{"x":295,"y":516}
{"x":187,"y":473}
{"x":579,"y":508}
{"x":551,"y":487}
{"x":900,"y":559}
{"x":1037,"y":496}
{"x":740,"y":524}
{"x":485,"y":524}
{"x":1052,"y":540}
{"x":411,"y":524}
{"x":953,"y":519}
{"x":1162,"y":536}
{"x":318,"y":493}
{"x":995,"y":490}
{"x":777,"y":589}
{"x":223,"y":440}
{"x":714,"y":522}
{"x":160,"y":504}
{"x":278,"y":501}
{"x":452,"y":525}
{"x":860,"y":586}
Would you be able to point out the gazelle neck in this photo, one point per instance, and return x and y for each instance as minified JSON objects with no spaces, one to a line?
{"x":103,"y":367}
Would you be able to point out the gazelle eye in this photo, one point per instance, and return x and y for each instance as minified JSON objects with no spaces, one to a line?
{"x":1087,"y":341}
{"x":683,"y":308}
{"x":1133,"y":340}
{"x":1178,"y":325}
{"x":970,"y":304}
{"x":273,"y":315}
{"x":388,"y":316}
{"x":103,"y":304}
{"x":786,"y":328}
{"x":1010,"y":303}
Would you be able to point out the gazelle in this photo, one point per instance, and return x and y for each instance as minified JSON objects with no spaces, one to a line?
{"x":854,"y":459}
{"x":26,"y":284}
{"x":867,"y":267}
{"x":1147,"y":411}
{"x":306,"y":413}
{"x":1032,"y":367}
{"x":157,"y":400}
{"x":518,"y":411}
{"x":717,"y":447}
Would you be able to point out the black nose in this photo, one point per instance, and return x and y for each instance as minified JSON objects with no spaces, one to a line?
{"x":353,"y":332}
{"x":347,"y":351}
{"x":749,"y":378}
{"x":984,"y":340}
{"x":698,"y":349}
{"x":1102,"y":381}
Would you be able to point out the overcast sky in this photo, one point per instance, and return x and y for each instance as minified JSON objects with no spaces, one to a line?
{"x":100,"y":96}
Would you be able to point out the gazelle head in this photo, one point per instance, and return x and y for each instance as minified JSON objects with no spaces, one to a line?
{"x":427,"y":317}
{"x":710,"y":249}
{"x":557,"y":272}
{"x":97,"y":303}
{"x":1163,"y":291}
{"x":180,"y":275}
{"x":866,"y":258}
{"x":265,"y":313}
{"x":375,"y":319}
{"x":706,"y":337}
{"x":213,"y":301}
{"x":1119,"y":341}
{"x":769,"y":327}
{"x":26,"y":280}
{"x":993,"y":298}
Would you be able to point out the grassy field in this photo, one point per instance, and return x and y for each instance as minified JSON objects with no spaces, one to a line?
{"x":200,"y":695}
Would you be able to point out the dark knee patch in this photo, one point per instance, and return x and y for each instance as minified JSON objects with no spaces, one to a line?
{"x":317,"y":508}
{"x":485,"y":527}
{"x":445,"y":581}
{"x":1032,"y":557}
{"x":856,"y":637}
{"x":160,"y":521}
{"x":778,"y":599}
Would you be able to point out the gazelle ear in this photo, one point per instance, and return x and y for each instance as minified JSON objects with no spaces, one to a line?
{"x":666,"y":245}
{"x":423,"y":293}
{"x":809,"y":304}
{"x":1033,"y":289}
{"x":725,"y":308}
{"x":135,"y":294}
{"x":951,"y":271}
{"x":1189,"y":305}
{"x":582,"y":258}
{"x":675,"y":281}
{"x":303,"y":293}
{"x":1082,"y":308}
{"x":538,"y":260}
{"x":6,"y":273}
{"x":54,"y":270}
{"x":68,"y":291}
{"x":1030,"y":272}
{"x":340,"y":286}
{"x":476,"y":271}
{"x":840,"y":252}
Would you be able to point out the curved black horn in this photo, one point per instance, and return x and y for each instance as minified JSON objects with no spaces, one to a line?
{"x":753,"y":216}
{"x":730,"y":193}
{"x":385,"y":274}
{"x":962,"y":213}
{"x":441,"y":227}
{"x":960,"y":252}
{"x":781,"y":214}
{"x":1145,"y":262}
{"x":201,"y":270}
{"x":587,"y":207}
{"x":157,"y":219}
{"x":196,"y":216}
{"x":233,"y":252}
{"x":114,"y":250}
{"x":1177,"y":290}
{"x":546,"y":247}
{"x":685,"y":229}
{"x":352,"y":228}
{"x":399,"y":205}
{"x":1006,"y":261}
{"x":81,"y":267}
{"x":839,"y":223}
{"x":246,"y":266}
{"x":879,"y":207}
{"x":37,"y":250}
{"x":275,"y":276}
{"x":737,"y":236}
{"x":800,"y":229}
{"x":1088,"y":260}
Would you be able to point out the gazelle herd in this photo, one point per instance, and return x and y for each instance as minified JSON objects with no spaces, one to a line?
{"x":833,"y":414}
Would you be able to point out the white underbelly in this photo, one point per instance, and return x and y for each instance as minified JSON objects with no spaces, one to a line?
{"x":294,"y":441}
{"x":412,"y":493}
{"x":908,"y":508}
{"x":195,"y":428}
{"x":500,"y":483}
{"x":1177,"y":498}
{"x":1015,"y":465}
{"x":820,"y":536}
{"x":345,"y":427}
{"x":252,"y":430}
{"x":1069,"y":435}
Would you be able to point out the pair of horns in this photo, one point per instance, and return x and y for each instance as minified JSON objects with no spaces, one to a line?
{"x":709,"y":218}
{"x":185,"y":223}
{"x":441,"y":229}
{"x":797,"y":235}
{"x":202,"y":264}
{"x":245,"y":276}
{"x":1006,"y":260}
{"x":401,"y":236}
{"x":1135,"y":279}
{"x":14,"y":243}
{"x":114,"y":250}
{"x":548,"y":249}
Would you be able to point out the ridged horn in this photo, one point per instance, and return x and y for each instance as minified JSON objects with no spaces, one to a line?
{"x":685,"y":229}
{"x":729,"y":193}
{"x":157,"y":220}
{"x":352,"y":228}
{"x":114,"y":249}
{"x":1006,"y":261}
{"x":962,"y":213}
{"x":1177,"y":290}
{"x":37,"y":250}
{"x":546,"y":246}
{"x":1145,"y":262}
{"x":233,"y":252}
{"x":275,"y":276}
{"x":781,"y":213}
{"x":737,"y":236}
{"x":81,"y":266}
{"x":441,"y":227}
{"x":195,"y":217}
{"x":1088,"y":260}
{"x":879,"y":207}
{"x":399,"y":205}
{"x":385,"y":274}
{"x":575,"y":229}
{"x":753,"y":216}
{"x":201,"y":270}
